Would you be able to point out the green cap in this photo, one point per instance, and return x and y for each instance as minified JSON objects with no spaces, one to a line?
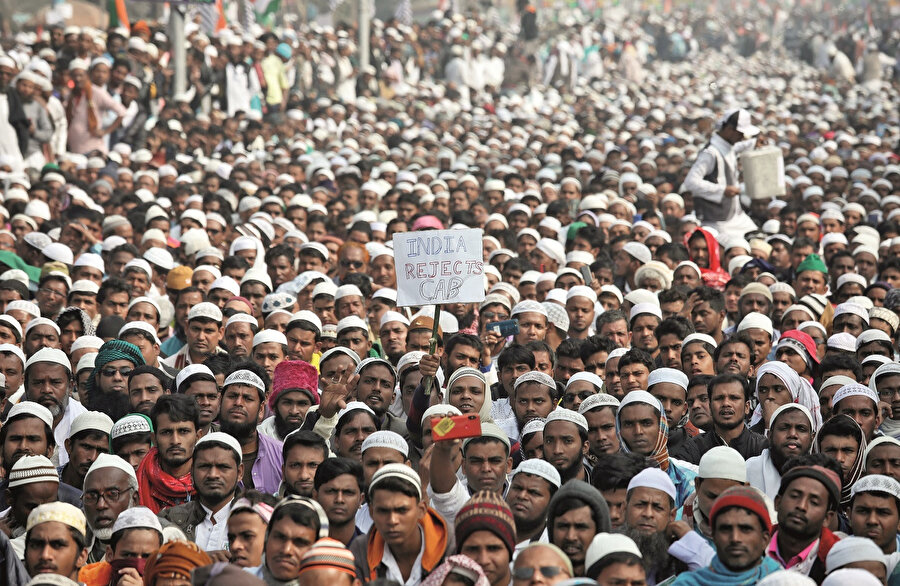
{"x":813,"y":262}
{"x":574,"y":227}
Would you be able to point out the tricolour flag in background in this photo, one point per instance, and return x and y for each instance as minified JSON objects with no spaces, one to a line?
{"x":118,"y":16}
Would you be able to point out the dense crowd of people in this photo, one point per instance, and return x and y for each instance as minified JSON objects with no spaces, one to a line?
{"x":675,"y":378}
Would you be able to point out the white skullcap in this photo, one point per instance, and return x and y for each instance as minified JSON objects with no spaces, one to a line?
{"x":53,"y":355}
{"x":128,"y":425}
{"x":553,"y":248}
{"x":528,"y":306}
{"x":561,"y":414}
{"x":137,"y":518}
{"x":83,"y":342}
{"x":242,"y":318}
{"x":339,"y":350}
{"x":645,"y":308}
{"x":872,"y":335}
{"x":324,"y":288}
{"x":588,"y":377}
{"x":877,"y":483}
{"x":85,"y":286}
{"x":31,"y":470}
{"x":612,"y":290}
{"x":267,"y":336}
{"x":852,"y":549}
{"x":639,"y":296}
{"x":393,"y":316}
{"x":222,"y":438}
{"x":347,"y":290}
{"x":786,"y":578}
{"x":582,"y":291}
{"x":542,"y":468}
{"x":653,"y":478}
{"x":111,"y":461}
{"x":227,"y":283}
{"x":851,"y":308}
{"x":41,"y":321}
{"x":842,"y":341}
{"x":604,"y":544}
{"x":26,"y":306}
{"x":706,"y":338}
{"x":86,"y":362}
{"x":596,"y":401}
{"x":351,"y":322}
{"x":638,"y":251}
{"x":354,"y":406}
{"x":245,"y":377}
{"x":386,"y":439}
{"x":401,"y":471}
{"x":91,"y":420}
{"x":205,"y":310}
{"x":788,"y":407}
{"x":668,"y":375}
{"x":723,"y":462}
{"x":854,"y":390}
{"x":57,"y":511}
{"x":535,"y":376}
{"x":189,"y":371}
{"x":854,"y":576}
{"x":756,"y":320}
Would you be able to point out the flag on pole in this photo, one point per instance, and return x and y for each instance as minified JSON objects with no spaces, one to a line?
{"x":212,"y":17}
{"x":266,"y":10}
{"x":404,"y":12}
{"x":118,"y":16}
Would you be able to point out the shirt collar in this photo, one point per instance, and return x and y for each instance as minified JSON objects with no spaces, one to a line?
{"x":772,"y":552}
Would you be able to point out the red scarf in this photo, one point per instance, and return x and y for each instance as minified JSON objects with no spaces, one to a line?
{"x":158,"y":489}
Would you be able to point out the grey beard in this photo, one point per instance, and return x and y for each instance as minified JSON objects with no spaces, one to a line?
{"x":104,"y":534}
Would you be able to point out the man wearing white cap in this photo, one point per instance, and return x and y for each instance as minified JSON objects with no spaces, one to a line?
{"x":720,"y":469}
{"x":566,"y":444}
{"x":649,"y":508}
{"x":114,"y":479}
{"x":88,"y":438}
{"x":204,"y":332}
{"x":32,"y":481}
{"x":580,"y":302}
{"x":532,"y":486}
{"x":55,"y":541}
{"x":49,"y":382}
{"x":216,"y":470}
{"x":26,"y":432}
{"x":791,"y":434}
{"x":713,"y":179}
{"x":137,"y":533}
{"x":614,"y":559}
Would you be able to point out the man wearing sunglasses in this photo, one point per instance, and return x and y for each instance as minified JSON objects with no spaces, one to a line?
{"x":107,"y":388}
{"x":541,"y":563}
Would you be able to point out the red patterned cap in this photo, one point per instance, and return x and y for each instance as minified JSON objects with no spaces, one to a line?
{"x":293,"y":375}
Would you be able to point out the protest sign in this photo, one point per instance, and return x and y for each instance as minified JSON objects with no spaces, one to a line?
{"x":439,"y":266}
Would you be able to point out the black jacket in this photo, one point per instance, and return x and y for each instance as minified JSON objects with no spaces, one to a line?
{"x":748,"y":444}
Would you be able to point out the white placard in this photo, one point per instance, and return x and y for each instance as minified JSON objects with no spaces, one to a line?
{"x":439,"y":266}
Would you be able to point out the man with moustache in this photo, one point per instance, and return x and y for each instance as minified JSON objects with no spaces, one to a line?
{"x":304,"y":452}
{"x":532,"y":487}
{"x":216,"y":469}
{"x":88,"y":438}
{"x":566,"y":444}
{"x":741,"y":530}
{"x":649,"y":508}
{"x":577,"y":512}
{"x":294,"y":390}
{"x":107,"y":387}
{"x":49,"y":382}
{"x":791,"y":434}
{"x":146,"y":384}
{"x":164,"y":476}
{"x":27,"y":432}
{"x":115,"y":479}
{"x":243,"y":403}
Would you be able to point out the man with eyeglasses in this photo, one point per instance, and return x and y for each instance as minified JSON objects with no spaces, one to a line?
{"x":52,"y":292}
{"x":110,"y":487}
{"x":352,"y":258}
{"x":542,"y":559}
